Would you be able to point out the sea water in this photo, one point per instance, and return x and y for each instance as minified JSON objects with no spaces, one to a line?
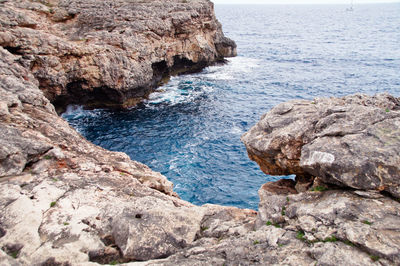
{"x":189,"y":130}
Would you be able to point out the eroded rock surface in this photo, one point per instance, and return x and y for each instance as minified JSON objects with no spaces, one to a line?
{"x":343,"y":205}
{"x":110,"y":52}
{"x":333,"y":227}
{"x":66,"y":201}
{"x":350,"y":142}
{"x":365,"y":221}
{"x":69,"y":202}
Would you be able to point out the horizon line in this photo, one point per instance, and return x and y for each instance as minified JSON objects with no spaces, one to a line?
{"x":325,"y":4}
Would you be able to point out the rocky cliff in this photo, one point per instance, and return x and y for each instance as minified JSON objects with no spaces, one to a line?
{"x":65,"y":201}
{"x":110,"y":52}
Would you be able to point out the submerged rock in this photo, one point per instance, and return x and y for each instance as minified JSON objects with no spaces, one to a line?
{"x":350,"y":142}
{"x":110,"y":53}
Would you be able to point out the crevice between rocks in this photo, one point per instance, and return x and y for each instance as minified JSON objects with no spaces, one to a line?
{"x":34,"y":158}
{"x":181,"y":65}
{"x":14,"y":50}
{"x":388,"y":195}
{"x":109,"y":254}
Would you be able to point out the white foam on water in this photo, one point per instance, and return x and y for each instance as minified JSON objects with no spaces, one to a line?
{"x":236,"y":130}
{"x":179,"y":90}
{"x":72,"y":109}
{"x":77,"y":111}
{"x":172,"y":165}
{"x":243,"y":64}
{"x":234,"y":69}
{"x":216,"y":74}
{"x":186,"y":88}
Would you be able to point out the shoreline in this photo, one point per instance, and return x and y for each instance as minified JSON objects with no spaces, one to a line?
{"x":69,"y":202}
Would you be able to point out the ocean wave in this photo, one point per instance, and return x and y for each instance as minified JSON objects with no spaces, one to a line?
{"x":179,"y":90}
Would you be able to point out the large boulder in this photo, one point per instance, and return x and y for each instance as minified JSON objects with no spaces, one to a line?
{"x":350,"y":142}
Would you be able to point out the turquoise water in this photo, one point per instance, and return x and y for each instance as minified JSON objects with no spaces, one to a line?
{"x":190,"y":129}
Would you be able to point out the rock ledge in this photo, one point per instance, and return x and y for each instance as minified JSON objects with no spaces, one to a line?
{"x":349,"y":142}
{"x":110,"y":53}
{"x":65,"y":201}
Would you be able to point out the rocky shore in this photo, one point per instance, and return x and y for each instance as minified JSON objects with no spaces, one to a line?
{"x":345,"y":153}
{"x":65,"y":201}
{"x":110,"y":52}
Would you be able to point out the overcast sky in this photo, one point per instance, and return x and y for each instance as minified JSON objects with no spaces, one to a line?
{"x":300,"y":1}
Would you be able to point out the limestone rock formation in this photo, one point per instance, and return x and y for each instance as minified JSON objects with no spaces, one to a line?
{"x":350,"y":142}
{"x":340,"y":227}
{"x":65,"y":200}
{"x":332,"y":227}
{"x":110,"y":52}
{"x":344,"y":203}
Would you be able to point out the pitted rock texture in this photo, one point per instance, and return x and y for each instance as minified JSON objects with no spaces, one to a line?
{"x":340,"y":227}
{"x":110,"y":52}
{"x":69,"y":202}
{"x":65,"y":201}
{"x":350,"y":142}
{"x":333,"y":227}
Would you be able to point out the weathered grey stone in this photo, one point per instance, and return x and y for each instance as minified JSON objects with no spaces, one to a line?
{"x":366,"y":223}
{"x":351,"y":141}
{"x":339,"y":253}
{"x":149,"y":229}
{"x":17,"y":151}
{"x":223,"y":222}
{"x":66,"y":201}
{"x":7,"y":260}
{"x":317,"y":228}
{"x":105,"y":255}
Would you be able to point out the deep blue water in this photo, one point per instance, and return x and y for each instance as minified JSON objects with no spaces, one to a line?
{"x":190,"y":129}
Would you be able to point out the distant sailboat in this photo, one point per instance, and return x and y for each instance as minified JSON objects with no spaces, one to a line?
{"x":351,"y":7}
